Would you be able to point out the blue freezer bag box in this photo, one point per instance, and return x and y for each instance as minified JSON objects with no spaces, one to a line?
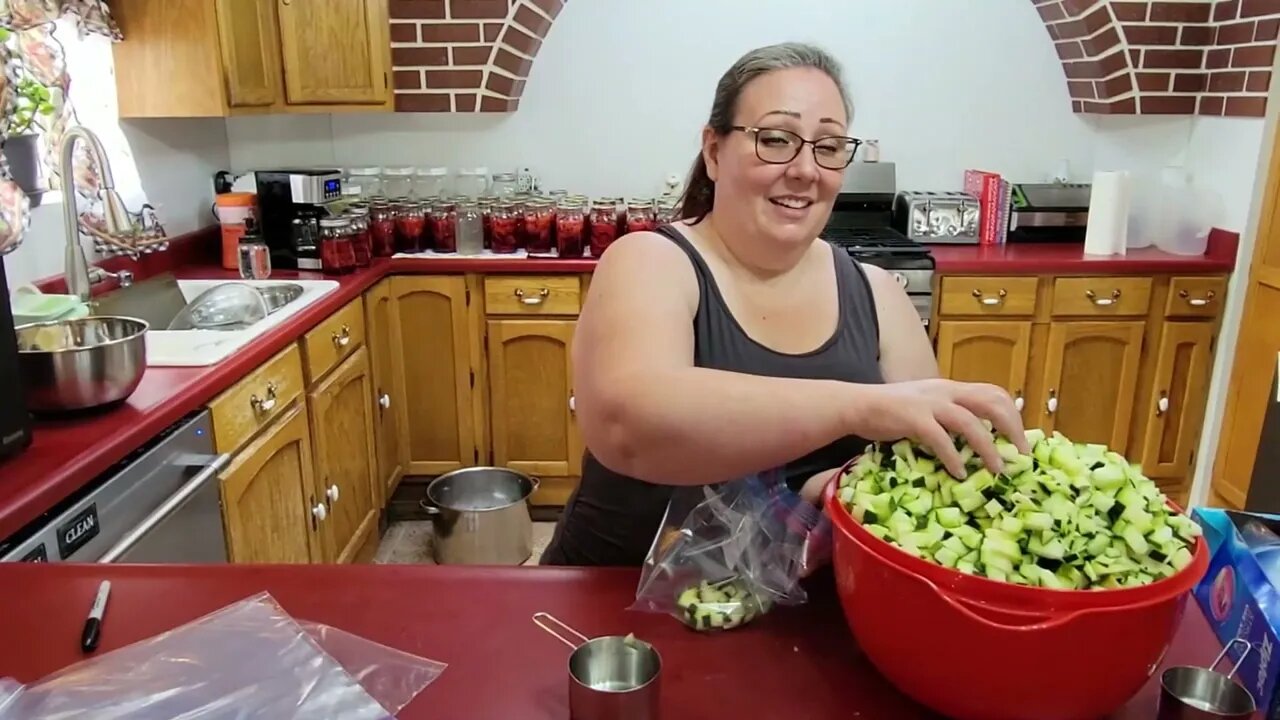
{"x":1240,"y":595}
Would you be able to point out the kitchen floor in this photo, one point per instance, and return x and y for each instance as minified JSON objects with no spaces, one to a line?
{"x":409,"y":542}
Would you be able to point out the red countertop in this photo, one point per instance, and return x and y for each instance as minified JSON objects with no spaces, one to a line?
{"x":795,"y":662}
{"x":68,"y":453}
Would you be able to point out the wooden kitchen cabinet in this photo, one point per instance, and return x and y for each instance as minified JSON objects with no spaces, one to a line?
{"x":433,"y":339}
{"x":269,"y":503}
{"x":1090,"y":379}
{"x":1175,"y":407}
{"x":216,"y":58}
{"x":531,"y":404}
{"x":342,"y":422}
{"x":381,"y":325}
{"x":987,"y":351}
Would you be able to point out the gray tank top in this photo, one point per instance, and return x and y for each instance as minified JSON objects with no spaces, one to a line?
{"x":611,"y":519}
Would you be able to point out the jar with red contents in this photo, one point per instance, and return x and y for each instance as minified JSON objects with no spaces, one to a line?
{"x":382,"y":226}
{"x":337,"y":250}
{"x":504,"y":227}
{"x":620,"y":213}
{"x":411,"y":226}
{"x":361,"y":234}
{"x":444,"y":227}
{"x":604,"y":225}
{"x":570,"y":229}
{"x":667,"y":210}
{"x":640,"y":216}
{"x":538,"y":220}
{"x":485,"y":206}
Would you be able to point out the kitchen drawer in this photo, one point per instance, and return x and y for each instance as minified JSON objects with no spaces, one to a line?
{"x":260,"y":397}
{"x":962,"y":295}
{"x":330,"y":342}
{"x":532,"y":295}
{"x":1200,"y":297}
{"x":1105,"y":296}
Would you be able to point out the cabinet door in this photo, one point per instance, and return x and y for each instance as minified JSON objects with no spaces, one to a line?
{"x":1249,"y":399}
{"x":269,"y":502}
{"x":335,"y":51}
{"x":342,"y":424}
{"x":250,"y":54}
{"x":388,"y":395}
{"x":993,"y":352}
{"x":432,"y":340}
{"x":1177,"y":399}
{"x":1090,"y":380}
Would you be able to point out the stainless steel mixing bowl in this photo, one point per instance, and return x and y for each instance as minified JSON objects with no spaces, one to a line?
{"x":79,"y":364}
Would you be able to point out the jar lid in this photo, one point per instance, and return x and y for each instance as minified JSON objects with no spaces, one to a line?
{"x":435,"y":171}
{"x":358,"y":211}
{"x":335,"y":222}
{"x":474,"y":171}
{"x":504,"y":177}
{"x":488,"y":198}
{"x":365,"y":171}
{"x":398,"y":171}
{"x":504,"y":205}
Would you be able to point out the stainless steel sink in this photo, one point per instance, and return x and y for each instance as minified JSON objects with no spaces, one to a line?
{"x":277,"y":296}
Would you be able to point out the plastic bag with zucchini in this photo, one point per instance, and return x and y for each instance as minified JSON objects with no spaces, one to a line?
{"x":727,"y":554}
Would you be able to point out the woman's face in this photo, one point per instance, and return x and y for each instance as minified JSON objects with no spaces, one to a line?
{"x":789,"y":202}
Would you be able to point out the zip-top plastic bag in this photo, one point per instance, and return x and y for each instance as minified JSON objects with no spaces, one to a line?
{"x":727,"y":554}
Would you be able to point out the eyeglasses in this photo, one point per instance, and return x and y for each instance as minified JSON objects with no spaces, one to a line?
{"x":779,"y":147}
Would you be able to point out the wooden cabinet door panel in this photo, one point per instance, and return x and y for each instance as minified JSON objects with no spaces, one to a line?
{"x":1177,"y":399}
{"x":435,"y":372}
{"x":530,"y":383}
{"x":345,"y":469}
{"x":268,"y":494}
{"x":334,"y":51}
{"x":1249,"y":393}
{"x":1090,"y":380}
{"x":247,"y":35}
{"x":993,"y":352}
{"x":388,"y":394}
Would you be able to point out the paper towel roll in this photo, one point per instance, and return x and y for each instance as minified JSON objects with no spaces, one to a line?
{"x":1109,"y":198}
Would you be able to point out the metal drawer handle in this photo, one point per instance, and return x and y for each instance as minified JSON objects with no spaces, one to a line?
{"x":1102,"y":301}
{"x":538,"y":300}
{"x":991,"y":301}
{"x":1209,"y":295}
{"x":1018,"y":402}
{"x":1052,"y":405}
{"x":1162,"y":405}
{"x":384,"y":401}
{"x":342,"y":339}
{"x":267,"y":403}
{"x":167,"y":508}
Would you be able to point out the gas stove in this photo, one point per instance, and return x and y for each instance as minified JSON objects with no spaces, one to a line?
{"x":861,"y":225}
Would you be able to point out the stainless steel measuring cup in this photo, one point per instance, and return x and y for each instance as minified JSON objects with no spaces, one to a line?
{"x":1196,"y":693}
{"x":610,"y":677}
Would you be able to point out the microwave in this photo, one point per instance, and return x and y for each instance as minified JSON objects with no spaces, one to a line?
{"x":15,"y":421}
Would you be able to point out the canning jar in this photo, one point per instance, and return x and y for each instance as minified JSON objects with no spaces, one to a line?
{"x":444,"y":227}
{"x":361,"y":235}
{"x":365,"y":182}
{"x":570,"y":223}
{"x":470,"y":226}
{"x":472,"y":182}
{"x":504,"y":226}
{"x":538,"y":220}
{"x":431,"y":183}
{"x":640,"y":215}
{"x":604,"y":224}
{"x":382,"y":225}
{"x":620,"y":210}
{"x":397,"y":181}
{"x":485,"y":207}
{"x":505,"y":185}
{"x":337,"y":252}
{"x":411,"y":225}
{"x":667,"y":210}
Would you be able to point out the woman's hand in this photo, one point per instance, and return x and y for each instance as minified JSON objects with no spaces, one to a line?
{"x":930,"y":411}
{"x":812,"y":489}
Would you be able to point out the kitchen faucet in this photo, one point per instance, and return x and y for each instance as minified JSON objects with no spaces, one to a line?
{"x":79,"y":278}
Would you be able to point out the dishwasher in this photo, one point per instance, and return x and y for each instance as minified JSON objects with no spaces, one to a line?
{"x":161,"y":504}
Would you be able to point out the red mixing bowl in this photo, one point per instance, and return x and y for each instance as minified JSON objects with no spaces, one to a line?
{"x":976,"y":649}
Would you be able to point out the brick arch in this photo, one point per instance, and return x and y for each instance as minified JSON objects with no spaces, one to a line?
{"x":465,"y":55}
{"x":1154,"y":57}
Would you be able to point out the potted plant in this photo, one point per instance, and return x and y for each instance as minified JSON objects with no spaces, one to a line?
{"x":31,"y":99}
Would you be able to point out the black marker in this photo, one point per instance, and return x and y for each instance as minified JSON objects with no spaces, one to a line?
{"x":93,"y":624}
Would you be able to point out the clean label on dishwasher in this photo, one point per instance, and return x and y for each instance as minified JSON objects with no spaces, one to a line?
{"x":74,"y":533}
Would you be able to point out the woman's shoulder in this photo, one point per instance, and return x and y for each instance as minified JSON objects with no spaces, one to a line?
{"x":650,"y":259}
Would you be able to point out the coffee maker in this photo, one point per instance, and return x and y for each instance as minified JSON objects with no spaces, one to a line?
{"x":291,"y":203}
{"x":15,"y":421}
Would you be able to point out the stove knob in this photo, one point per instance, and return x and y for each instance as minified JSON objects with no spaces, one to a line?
{"x":901,"y":279}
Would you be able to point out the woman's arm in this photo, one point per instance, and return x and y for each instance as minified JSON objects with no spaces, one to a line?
{"x":905,"y":352}
{"x":646,"y":411}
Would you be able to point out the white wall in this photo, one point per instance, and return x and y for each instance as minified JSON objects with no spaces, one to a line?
{"x":620,"y":89}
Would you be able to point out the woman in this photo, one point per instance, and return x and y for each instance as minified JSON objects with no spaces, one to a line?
{"x":736,"y":340}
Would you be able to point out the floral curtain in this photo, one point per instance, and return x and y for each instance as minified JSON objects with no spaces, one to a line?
{"x":35,"y":95}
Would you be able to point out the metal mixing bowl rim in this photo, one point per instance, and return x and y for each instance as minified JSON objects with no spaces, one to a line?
{"x":78,"y":321}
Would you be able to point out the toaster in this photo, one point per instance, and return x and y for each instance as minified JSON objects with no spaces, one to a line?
{"x":927,"y":216}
